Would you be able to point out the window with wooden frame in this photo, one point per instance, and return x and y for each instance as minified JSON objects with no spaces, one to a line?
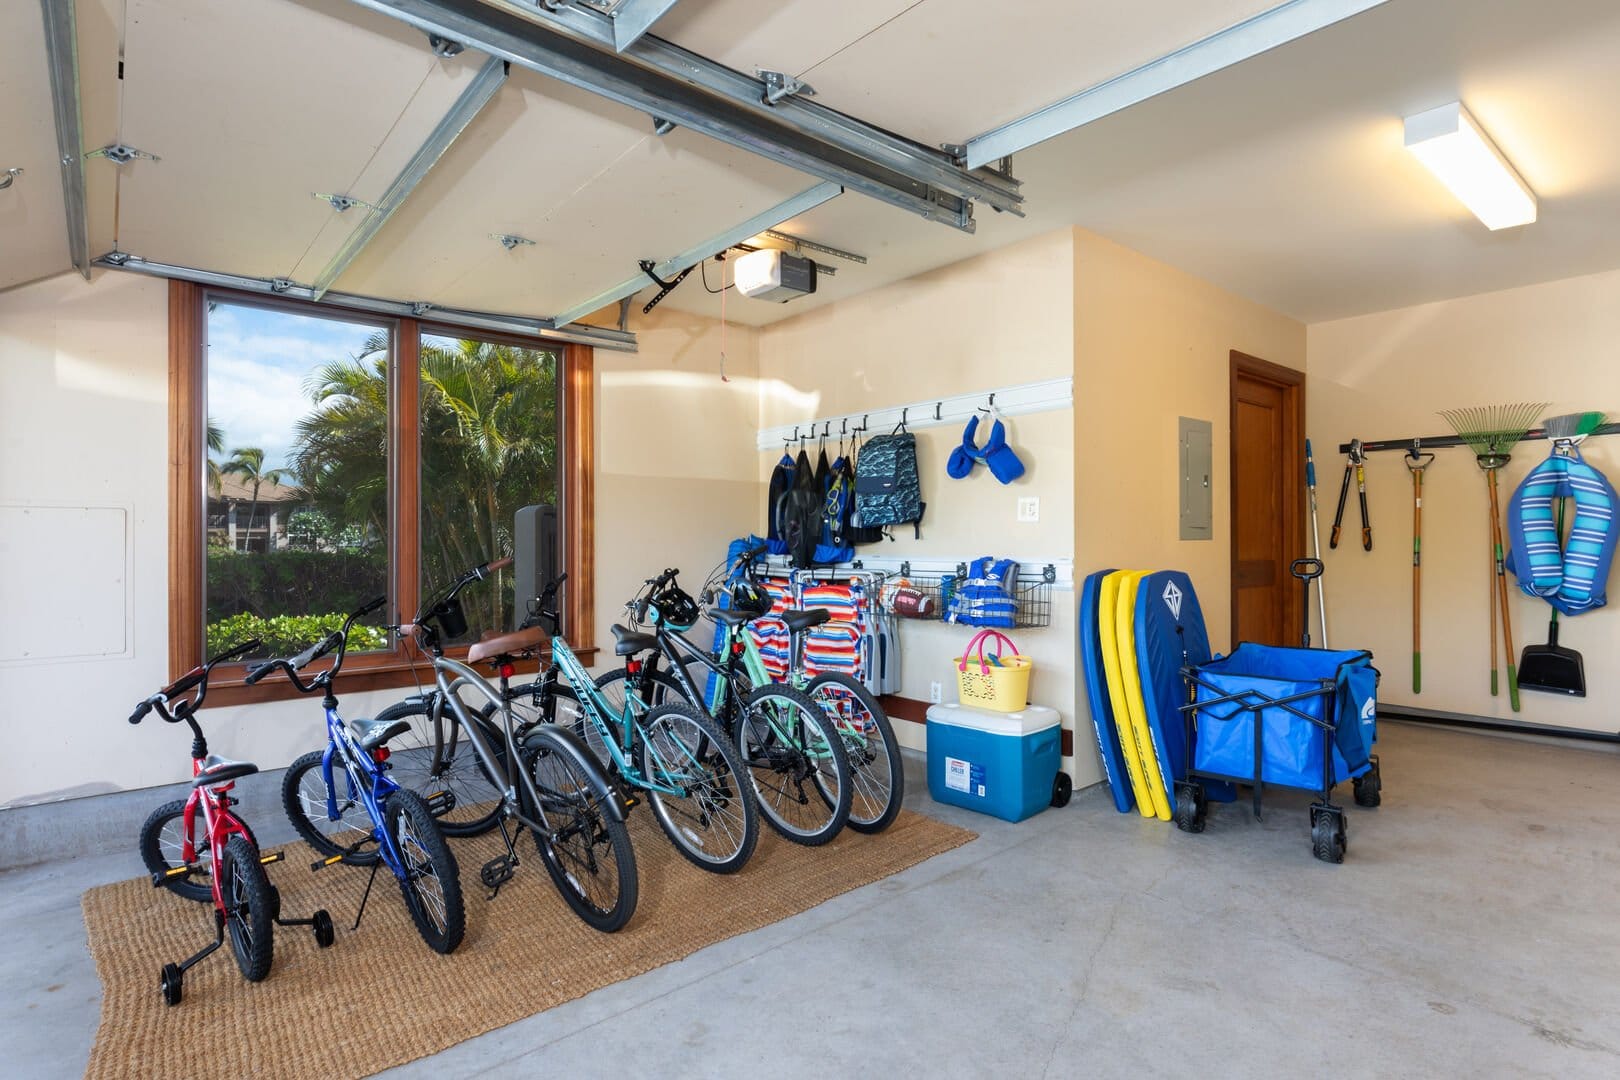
{"x":322,"y":457}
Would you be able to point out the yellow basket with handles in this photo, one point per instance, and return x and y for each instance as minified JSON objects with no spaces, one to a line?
{"x":999,"y":681}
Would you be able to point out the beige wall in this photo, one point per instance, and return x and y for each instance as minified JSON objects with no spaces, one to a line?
{"x":1383,"y":377}
{"x":995,"y":320}
{"x":1153,"y":344}
{"x":84,"y":387}
{"x":676,"y":477}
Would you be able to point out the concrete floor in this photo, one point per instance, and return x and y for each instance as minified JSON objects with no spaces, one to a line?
{"x":1471,"y":931}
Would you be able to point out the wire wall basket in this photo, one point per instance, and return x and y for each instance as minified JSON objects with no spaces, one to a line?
{"x":1031,"y":593}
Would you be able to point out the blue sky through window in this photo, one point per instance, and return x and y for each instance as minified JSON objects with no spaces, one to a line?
{"x":259,"y":364}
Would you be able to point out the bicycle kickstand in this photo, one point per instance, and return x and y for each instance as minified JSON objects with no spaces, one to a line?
{"x":370,"y":881}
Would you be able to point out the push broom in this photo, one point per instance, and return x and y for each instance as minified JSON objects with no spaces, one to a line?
{"x":1491,"y":432}
{"x":1552,"y":667}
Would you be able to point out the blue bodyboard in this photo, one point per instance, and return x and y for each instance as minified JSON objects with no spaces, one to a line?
{"x":1170,"y":634}
{"x":1102,"y":710}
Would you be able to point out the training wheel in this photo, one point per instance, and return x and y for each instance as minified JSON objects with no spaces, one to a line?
{"x":324,"y":934}
{"x":1062,"y":789}
{"x":173,"y":980}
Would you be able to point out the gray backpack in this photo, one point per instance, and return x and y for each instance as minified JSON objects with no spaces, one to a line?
{"x":887,"y":488}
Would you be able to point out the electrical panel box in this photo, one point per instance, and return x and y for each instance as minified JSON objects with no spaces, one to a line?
{"x":534,"y":556}
{"x":1197,"y":442}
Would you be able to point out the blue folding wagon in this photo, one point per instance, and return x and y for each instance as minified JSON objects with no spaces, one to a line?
{"x":1298,"y":718}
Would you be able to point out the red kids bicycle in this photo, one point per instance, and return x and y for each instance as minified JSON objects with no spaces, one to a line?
{"x":225,"y":867}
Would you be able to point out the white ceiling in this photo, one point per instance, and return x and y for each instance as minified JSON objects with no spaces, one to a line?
{"x":1282,"y":179}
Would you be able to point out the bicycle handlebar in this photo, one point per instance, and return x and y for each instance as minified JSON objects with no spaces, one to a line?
{"x":196,"y":677}
{"x":338,"y":639}
{"x":639,"y":603}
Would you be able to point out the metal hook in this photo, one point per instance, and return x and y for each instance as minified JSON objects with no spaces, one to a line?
{"x":937,"y":406}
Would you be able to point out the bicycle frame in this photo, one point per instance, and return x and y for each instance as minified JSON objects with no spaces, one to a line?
{"x":599,"y":710}
{"x":219,"y":825}
{"x":367,"y":781}
{"x":522,"y":806}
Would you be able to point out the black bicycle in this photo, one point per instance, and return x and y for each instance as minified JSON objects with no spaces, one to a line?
{"x":488,"y":765}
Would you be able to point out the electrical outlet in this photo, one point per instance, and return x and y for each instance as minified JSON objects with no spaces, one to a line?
{"x":1029,"y":508}
{"x":934,"y":692}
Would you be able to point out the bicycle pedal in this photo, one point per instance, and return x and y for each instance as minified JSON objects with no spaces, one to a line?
{"x":161,"y":879}
{"x":497,"y":872}
{"x":273,"y":857}
{"x":441,"y":803}
{"x":322,"y":864}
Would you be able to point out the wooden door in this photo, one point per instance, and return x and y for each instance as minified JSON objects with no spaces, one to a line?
{"x":1268,"y":478}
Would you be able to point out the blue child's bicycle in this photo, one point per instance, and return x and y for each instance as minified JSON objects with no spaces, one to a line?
{"x":369,"y":820}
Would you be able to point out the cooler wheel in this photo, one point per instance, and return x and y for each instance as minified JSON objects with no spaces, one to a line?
{"x":1062,"y":789}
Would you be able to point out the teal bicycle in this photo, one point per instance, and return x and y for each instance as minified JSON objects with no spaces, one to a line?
{"x":801,"y":770}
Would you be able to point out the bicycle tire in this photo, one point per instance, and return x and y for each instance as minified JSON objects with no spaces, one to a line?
{"x":429,"y":759}
{"x":585,"y":849}
{"x":878,"y":773}
{"x":715,"y":824}
{"x":303,"y":797}
{"x":248,"y":909}
{"x":161,"y":851}
{"x":791,"y":757}
{"x":423,"y":849}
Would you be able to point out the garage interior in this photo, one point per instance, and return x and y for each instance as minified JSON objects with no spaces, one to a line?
{"x":1158,"y":246}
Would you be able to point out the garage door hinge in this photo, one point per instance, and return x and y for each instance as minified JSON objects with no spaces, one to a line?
{"x":119,"y":154}
{"x":341,"y":203}
{"x":779,"y":84}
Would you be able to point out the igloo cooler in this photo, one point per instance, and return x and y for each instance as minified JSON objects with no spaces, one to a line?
{"x":997,"y":763}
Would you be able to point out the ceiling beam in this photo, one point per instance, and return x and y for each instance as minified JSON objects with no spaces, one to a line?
{"x":1236,"y":43}
{"x":474,"y":97}
{"x":767,"y":219}
{"x":994,"y":188}
{"x":62,"y":59}
{"x":633,"y":18}
{"x":454,"y":318}
{"x":574,"y":45}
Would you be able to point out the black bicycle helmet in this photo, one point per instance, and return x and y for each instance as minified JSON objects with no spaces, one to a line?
{"x":673,"y":609}
{"x":746,"y":596}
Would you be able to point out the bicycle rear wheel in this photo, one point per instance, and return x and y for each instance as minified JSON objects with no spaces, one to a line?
{"x":798,"y":763}
{"x":303,"y":796}
{"x":436,"y":755}
{"x":876,"y":770}
{"x":585,"y":849}
{"x":432,"y":881}
{"x":163,"y":846}
{"x":712,"y":817}
{"x":248,"y":905}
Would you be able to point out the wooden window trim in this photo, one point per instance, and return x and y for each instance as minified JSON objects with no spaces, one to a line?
{"x":394,"y":667}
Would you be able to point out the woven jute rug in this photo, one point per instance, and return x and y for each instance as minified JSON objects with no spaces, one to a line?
{"x":379,"y":997}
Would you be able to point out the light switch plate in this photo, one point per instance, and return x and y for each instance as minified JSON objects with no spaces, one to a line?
{"x":1029,"y":508}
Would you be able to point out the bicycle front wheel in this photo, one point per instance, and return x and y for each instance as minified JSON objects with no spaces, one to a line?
{"x":248,"y":904}
{"x":711,"y":816}
{"x":585,"y":849}
{"x":876,"y":771}
{"x":303,"y":796}
{"x":431,"y":881}
{"x":798,"y":763}
{"x":436,"y":755}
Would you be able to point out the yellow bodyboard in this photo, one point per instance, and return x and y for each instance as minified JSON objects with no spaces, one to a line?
{"x":1108,"y":637}
{"x":1131,"y":682}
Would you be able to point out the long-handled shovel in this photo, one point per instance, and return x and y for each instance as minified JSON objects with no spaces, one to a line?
{"x":1416,"y":462}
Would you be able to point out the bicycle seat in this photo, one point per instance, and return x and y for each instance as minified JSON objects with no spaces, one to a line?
{"x":798,"y":621}
{"x":628,"y":643}
{"x":731,"y":616}
{"x":217,"y":770}
{"x":517,"y":643}
{"x":371,"y":734}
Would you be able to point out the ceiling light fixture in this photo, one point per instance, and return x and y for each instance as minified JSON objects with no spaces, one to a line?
{"x":1451,"y":144}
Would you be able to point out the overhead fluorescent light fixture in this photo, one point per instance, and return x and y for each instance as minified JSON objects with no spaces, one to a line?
{"x":1451,"y":144}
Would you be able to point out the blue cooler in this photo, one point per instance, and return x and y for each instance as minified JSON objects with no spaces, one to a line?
{"x":994,"y":762}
